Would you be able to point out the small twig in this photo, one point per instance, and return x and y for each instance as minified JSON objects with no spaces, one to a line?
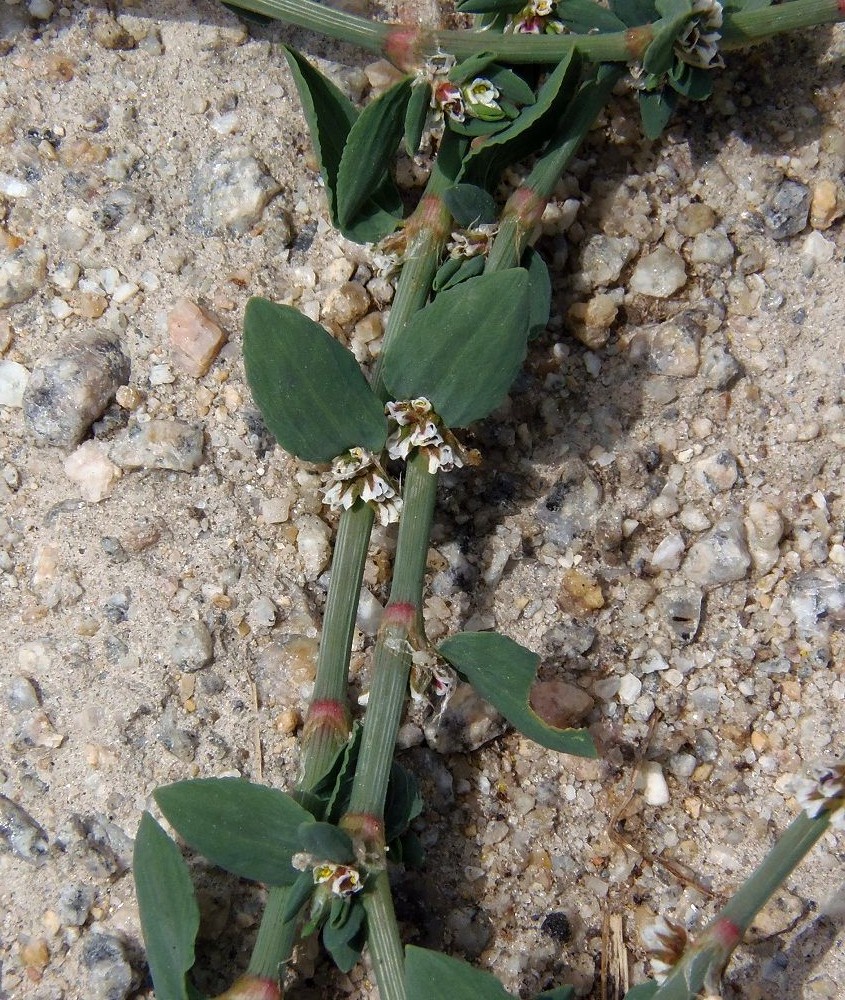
{"x":259,"y":753}
{"x":615,"y":980}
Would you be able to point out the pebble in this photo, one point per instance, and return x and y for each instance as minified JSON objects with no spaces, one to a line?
{"x":229,"y":192}
{"x":817,"y":600}
{"x":655,"y":788}
{"x":261,"y":614}
{"x":694,"y":219}
{"x":75,"y":902}
{"x":20,"y":833}
{"x":71,"y":388}
{"x":712,"y":247}
{"x":195,"y":338}
{"x":22,"y":273}
{"x":369,"y":614}
{"x":580,"y":593}
{"x":630,"y":687}
{"x":109,"y":33}
{"x":827,"y":204}
{"x":603,"y":258}
{"x":816,"y":250}
{"x":313,"y":543}
{"x":787,"y":210}
{"x":717,"y":472}
{"x":13,"y":380}
{"x":21,"y":694}
{"x":764,"y":528}
{"x":659,"y":274}
{"x":110,"y":975}
{"x":694,"y":518}
{"x":681,"y":607}
{"x":92,"y":470}
{"x":673,"y":346}
{"x":285,"y":670}
{"x":719,"y":368}
{"x":345,"y":305}
{"x":560,"y":704}
{"x":159,"y":444}
{"x":668,"y":553}
{"x":466,"y":723}
{"x":190,"y":647}
{"x":720,"y":556}
{"x":571,"y":508}
{"x":180,"y":742}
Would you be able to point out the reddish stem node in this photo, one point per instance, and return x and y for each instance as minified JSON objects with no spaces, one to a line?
{"x":402,"y":46}
{"x":527,"y":206}
{"x":327,"y":714}
{"x":726,"y":933}
{"x":365,"y":827}
{"x":399,"y":614}
{"x":252,"y":988}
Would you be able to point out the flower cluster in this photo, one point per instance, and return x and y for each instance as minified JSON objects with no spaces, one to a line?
{"x":477,"y":99}
{"x":472,"y":242}
{"x":430,"y":673}
{"x":342,"y":880}
{"x":698,"y":44}
{"x":536,"y":18}
{"x":823,"y":793}
{"x":666,"y":940}
{"x":418,"y":426}
{"x":357,"y":473}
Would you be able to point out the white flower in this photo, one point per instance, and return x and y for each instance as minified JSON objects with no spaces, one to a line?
{"x":824,"y":792}
{"x":345,"y":881}
{"x":698,"y":45}
{"x":419,"y":427}
{"x":356,"y":474}
{"x":481,"y":91}
{"x":665,"y":940}
{"x":473,"y":241}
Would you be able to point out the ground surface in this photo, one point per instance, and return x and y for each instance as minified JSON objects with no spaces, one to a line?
{"x":695,"y":464}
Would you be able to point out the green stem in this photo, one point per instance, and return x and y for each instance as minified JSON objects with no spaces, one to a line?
{"x":276,"y":937}
{"x":524,"y":208}
{"x":408,"y":45}
{"x":790,"y":850}
{"x":383,"y":939}
{"x":392,"y":657}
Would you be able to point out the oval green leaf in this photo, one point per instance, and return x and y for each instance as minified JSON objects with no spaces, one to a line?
{"x":503,"y":672}
{"x":430,"y":974}
{"x":327,"y":842}
{"x":416,"y":115}
{"x":470,"y":205}
{"x":585,"y":16}
{"x":170,"y":917}
{"x":463,"y":351}
{"x":247,"y":829}
{"x":540,"y":292}
{"x":656,"y":107}
{"x":309,"y":388}
{"x":455,"y":270}
{"x":369,"y":150}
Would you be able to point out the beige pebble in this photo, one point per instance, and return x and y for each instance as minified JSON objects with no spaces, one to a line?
{"x":695,"y":219}
{"x":34,"y":953}
{"x":92,"y":471}
{"x":195,"y":339}
{"x":579,"y":592}
{"x":288,"y":721}
{"x":346,"y":304}
{"x":560,"y":704}
{"x":827,"y":205}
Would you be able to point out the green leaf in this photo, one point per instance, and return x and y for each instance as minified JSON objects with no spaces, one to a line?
{"x":511,"y":85}
{"x":503,"y":672}
{"x":463,"y":351}
{"x":416,"y":115}
{"x":645,"y":991}
{"x":656,"y":107}
{"x":558,"y":993}
{"x":489,"y":6}
{"x":454,"y":270}
{"x":246,"y":829}
{"x":369,"y":150}
{"x":309,"y":388}
{"x":343,"y":933}
{"x":467,"y":70}
{"x":327,"y":842}
{"x":170,"y":916}
{"x":540,"y":292}
{"x":534,"y":126}
{"x":407,"y":850}
{"x":335,"y":786}
{"x":660,"y":54}
{"x":403,"y":803}
{"x":329,"y":114}
{"x":475,"y":127}
{"x":470,"y":205}
{"x":693,"y":82}
{"x":634,"y":12}
{"x":298,"y":895}
{"x":430,"y":974}
{"x":584,"y":16}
